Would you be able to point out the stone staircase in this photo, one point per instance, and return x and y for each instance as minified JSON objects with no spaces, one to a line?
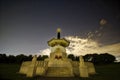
{"x":58,"y":72}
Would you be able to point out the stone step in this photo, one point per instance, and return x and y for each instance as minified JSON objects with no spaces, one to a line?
{"x":58,"y":72}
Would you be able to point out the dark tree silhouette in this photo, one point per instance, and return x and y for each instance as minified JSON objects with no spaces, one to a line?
{"x":11,"y":59}
{"x":20,"y":58}
{"x":107,"y":58}
{"x":29,"y":58}
{"x":103,"y":58}
{"x":39,"y":57}
{"x":3,"y":58}
{"x":71,"y":56}
{"x":77,"y":58}
{"x":42,"y":57}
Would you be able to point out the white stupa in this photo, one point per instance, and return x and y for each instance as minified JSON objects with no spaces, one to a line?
{"x":57,"y":65}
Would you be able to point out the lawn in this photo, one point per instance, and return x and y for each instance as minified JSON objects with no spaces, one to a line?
{"x":104,"y":72}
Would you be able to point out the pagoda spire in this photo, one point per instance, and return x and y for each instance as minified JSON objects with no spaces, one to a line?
{"x":58,"y":41}
{"x":58,"y":33}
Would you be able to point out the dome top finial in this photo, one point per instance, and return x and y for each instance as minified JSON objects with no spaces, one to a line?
{"x":58,"y":30}
{"x":58,"y":33}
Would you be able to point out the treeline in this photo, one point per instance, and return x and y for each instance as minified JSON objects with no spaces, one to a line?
{"x":19,"y":58}
{"x":104,"y":58}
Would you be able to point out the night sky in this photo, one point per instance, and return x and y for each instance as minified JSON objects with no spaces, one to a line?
{"x":27,"y":25}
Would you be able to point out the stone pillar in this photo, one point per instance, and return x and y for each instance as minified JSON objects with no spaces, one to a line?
{"x":91,"y":68}
{"x":83,"y":68}
{"x":32,"y":68}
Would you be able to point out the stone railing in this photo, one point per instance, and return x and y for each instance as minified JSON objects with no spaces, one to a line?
{"x":41,"y":67}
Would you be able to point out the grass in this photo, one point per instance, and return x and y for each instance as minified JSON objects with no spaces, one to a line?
{"x":104,"y":72}
{"x":10,"y":72}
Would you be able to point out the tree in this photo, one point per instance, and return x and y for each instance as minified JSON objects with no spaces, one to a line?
{"x":29,"y":58}
{"x":11,"y":59}
{"x":39,"y":57}
{"x":20,"y":58}
{"x":107,"y":58}
{"x":103,"y":58}
{"x":3,"y":58}
{"x":77,"y":58}
{"x":71,"y":56}
{"x":42,"y":57}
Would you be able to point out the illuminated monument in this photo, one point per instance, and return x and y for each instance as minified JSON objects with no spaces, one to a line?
{"x":57,"y":65}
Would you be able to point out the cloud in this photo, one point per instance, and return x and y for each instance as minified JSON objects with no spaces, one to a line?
{"x":80,"y":46}
{"x":112,"y":48}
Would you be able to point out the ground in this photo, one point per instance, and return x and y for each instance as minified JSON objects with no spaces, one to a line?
{"x":104,"y":72}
